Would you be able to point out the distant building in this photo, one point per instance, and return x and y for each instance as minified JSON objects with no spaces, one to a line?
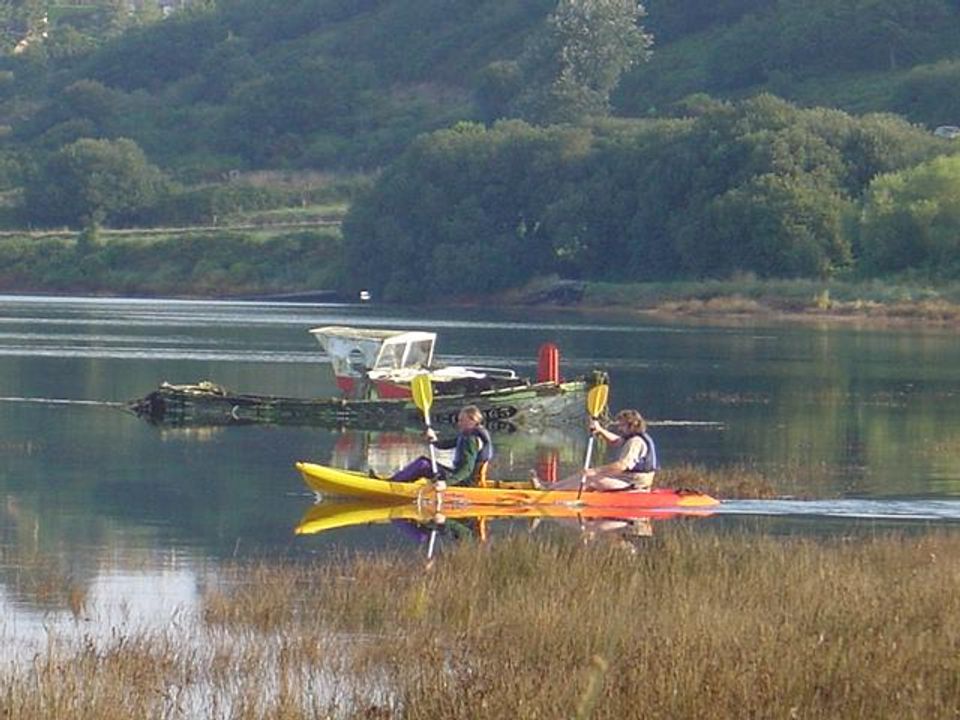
{"x":950,"y":132}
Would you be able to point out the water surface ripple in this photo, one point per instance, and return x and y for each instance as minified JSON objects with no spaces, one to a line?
{"x":863,"y":509}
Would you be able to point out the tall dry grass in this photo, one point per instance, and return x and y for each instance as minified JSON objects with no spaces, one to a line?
{"x":688,"y":625}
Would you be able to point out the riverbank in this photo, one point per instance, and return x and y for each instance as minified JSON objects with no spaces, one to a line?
{"x":747,"y":298}
{"x":302,"y":261}
{"x":688,"y":622}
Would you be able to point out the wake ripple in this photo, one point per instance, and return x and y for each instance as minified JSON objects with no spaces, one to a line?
{"x":921,"y":509}
{"x":60,"y":401}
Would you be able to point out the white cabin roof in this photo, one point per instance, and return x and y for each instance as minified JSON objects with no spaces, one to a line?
{"x":374,"y":348}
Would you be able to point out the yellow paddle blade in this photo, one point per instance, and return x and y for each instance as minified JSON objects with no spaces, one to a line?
{"x":597,"y":400}
{"x":422,"y":391}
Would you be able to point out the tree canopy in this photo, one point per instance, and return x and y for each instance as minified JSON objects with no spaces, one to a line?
{"x":573,"y":62}
{"x":94,"y":181}
{"x":759,"y":186}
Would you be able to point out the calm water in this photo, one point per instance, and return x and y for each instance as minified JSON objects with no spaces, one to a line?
{"x":92,"y":497}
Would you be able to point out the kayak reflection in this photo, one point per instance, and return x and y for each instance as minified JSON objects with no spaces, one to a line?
{"x":473,"y":522}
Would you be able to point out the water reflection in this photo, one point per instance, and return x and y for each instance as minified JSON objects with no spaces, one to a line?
{"x":479,"y":522}
{"x":515,"y":454}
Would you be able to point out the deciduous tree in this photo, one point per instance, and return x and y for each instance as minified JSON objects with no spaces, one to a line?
{"x":572,"y":64}
{"x":94,"y":181}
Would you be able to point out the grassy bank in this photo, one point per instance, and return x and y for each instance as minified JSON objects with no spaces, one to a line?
{"x":195,"y":262}
{"x":299,"y":250}
{"x":687,"y":624}
{"x":894,"y":301}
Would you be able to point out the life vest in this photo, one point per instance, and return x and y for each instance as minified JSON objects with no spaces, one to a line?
{"x":486,"y":446}
{"x":649,"y":462}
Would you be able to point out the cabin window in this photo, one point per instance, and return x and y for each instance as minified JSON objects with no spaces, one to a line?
{"x":391,"y":357}
{"x":419,"y":354}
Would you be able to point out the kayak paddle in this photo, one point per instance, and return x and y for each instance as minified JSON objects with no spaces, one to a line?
{"x":596,"y":403}
{"x":422,"y":391}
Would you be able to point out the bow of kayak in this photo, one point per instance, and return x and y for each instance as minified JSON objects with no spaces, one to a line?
{"x":352,"y":484}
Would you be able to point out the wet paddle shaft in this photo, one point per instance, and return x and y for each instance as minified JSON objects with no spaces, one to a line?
{"x":596,"y":404}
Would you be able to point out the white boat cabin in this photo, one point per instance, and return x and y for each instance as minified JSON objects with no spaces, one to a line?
{"x":381,"y":363}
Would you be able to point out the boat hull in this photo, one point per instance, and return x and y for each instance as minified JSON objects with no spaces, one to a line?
{"x":347,"y":483}
{"x":508,"y":409}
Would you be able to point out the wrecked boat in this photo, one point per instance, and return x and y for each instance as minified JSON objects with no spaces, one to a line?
{"x":372,"y":369}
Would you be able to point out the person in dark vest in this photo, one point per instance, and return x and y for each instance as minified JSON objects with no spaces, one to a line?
{"x":635,"y":464}
{"x":472,"y":450}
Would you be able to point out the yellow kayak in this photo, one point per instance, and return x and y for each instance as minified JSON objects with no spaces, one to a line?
{"x":352,"y":484}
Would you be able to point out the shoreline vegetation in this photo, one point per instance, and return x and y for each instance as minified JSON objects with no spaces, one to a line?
{"x":873,"y":302}
{"x":694,"y":621}
{"x":172,"y":263}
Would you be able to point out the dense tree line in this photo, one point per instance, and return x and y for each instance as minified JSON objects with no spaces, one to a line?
{"x":759,"y":186}
{"x":223,"y":264}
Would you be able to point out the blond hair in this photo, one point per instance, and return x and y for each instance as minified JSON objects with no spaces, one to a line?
{"x":471,"y":412}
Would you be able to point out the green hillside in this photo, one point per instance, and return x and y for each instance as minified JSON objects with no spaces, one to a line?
{"x":704,"y":138}
{"x":348,"y":83}
{"x":856,"y":55}
{"x":244,"y":84}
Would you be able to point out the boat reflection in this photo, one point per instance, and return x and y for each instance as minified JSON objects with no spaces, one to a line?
{"x":629,"y":526}
{"x":551,"y":453}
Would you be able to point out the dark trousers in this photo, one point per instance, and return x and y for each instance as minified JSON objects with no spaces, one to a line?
{"x":419,"y":468}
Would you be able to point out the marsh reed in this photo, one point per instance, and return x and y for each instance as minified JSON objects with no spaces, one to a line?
{"x":693,"y":623}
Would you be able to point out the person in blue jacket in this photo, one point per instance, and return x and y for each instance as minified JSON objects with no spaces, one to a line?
{"x":472,"y":450}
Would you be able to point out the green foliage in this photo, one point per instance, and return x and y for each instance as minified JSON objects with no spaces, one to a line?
{"x":911,"y":219}
{"x":150,"y":56}
{"x":571,"y":65}
{"x":87,"y":105}
{"x":211,"y":204}
{"x":733,"y":46}
{"x":19,"y":19}
{"x":761,"y":187}
{"x":670,"y":19}
{"x":237,"y":84}
{"x":94,"y":181}
{"x":722,"y":187}
{"x":498,"y":84}
{"x":272,"y":115}
{"x":777,"y":225}
{"x":349,"y":83}
{"x":223,"y":264}
{"x":928,"y":93}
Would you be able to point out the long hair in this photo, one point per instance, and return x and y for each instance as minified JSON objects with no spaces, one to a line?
{"x":472,"y":412}
{"x":631,"y":421}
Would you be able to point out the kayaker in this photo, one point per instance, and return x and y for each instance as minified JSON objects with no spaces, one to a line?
{"x":636,"y":462}
{"x":472,"y":450}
